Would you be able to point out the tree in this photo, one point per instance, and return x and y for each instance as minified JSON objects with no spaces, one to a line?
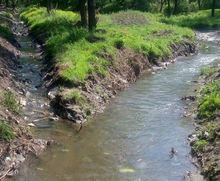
{"x":175,"y":11}
{"x":92,"y":16}
{"x":169,"y":8}
{"x":213,"y":7}
{"x":83,"y":13}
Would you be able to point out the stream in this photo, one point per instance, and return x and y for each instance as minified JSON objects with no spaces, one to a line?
{"x":132,"y":139}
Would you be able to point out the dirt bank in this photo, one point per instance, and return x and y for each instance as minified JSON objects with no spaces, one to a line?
{"x":205,"y":141}
{"x":16,"y":141}
{"x":90,"y":98}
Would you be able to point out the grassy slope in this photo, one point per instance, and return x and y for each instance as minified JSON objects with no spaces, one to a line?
{"x":78,"y":52}
{"x":200,"y":19}
{"x":206,"y":147}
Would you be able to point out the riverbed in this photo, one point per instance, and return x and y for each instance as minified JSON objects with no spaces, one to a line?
{"x":131,"y":140}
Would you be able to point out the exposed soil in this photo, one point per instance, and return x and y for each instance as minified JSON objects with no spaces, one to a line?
{"x":207,"y":156}
{"x":98,"y":90}
{"x":14,"y":153}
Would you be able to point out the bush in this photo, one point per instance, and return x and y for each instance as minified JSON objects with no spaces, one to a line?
{"x":210,"y":104}
{"x":6,"y":132}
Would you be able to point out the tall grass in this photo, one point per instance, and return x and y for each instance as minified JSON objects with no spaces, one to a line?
{"x":6,"y":131}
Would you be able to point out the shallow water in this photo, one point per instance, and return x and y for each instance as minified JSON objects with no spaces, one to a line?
{"x":132,"y":139}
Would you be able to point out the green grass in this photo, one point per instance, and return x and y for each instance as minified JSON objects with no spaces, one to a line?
{"x":6,"y":132}
{"x":200,"y":19}
{"x":209,"y":100}
{"x":9,"y":101}
{"x":80,"y":53}
{"x":200,"y":145}
{"x":207,"y":71}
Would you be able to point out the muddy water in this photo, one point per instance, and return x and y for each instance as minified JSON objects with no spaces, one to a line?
{"x":132,"y":139}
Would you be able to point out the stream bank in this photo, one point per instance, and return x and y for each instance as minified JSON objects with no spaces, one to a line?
{"x":17,"y":142}
{"x":205,"y":141}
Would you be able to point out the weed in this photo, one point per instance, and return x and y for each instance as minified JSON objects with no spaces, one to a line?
{"x":200,"y":145}
{"x":6,"y":132}
{"x":10,"y":102}
{"x":75,"y":96}
{"x":207,"y":71}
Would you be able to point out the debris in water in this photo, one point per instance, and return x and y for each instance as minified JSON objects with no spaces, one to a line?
{"x":127,"y":170}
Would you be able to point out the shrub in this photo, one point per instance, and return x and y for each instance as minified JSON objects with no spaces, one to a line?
{"x":6,"y":132}
{"x":210,"y":104}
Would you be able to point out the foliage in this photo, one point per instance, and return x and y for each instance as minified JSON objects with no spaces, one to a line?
{"x":210,"y":100}
{"x":6,"y":132}
{"x":200,"y":19}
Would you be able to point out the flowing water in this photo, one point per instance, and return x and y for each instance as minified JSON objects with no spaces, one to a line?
{"x":132,"y":139}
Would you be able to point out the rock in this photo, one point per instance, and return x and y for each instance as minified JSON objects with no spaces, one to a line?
{"x":31,"y":125}
{"x":23,"y":102}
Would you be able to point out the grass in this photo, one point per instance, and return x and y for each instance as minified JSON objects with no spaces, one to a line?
{"x":200,"y":19}
{"x":200,"y":145}
{"x":210,"y":100}
{"x":9,"y":101}
{"x":75,"y":96}
{"x":207,"y":71}
{"x":6,"y":132}
{"x":80,"y":53}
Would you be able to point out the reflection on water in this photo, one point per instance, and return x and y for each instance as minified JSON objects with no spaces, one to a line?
{"x":131,"y":141}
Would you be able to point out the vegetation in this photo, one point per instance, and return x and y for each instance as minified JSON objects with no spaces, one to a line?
{"x":209,"y":100}
{"x":200,"y":19}
{"x":80,"y":53}
{"x":6,"y":131}
{"x":200,"y":145}
{"x":8,"y":100}
{"x":207,"y":71}
{"x":4,"y":27}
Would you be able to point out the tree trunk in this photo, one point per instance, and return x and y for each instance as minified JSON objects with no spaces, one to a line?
{"x":83,"y":13}
{"x":91,"y":12}
{"x":169,"y":8}
{"x":213,"y":7}
{"x":7,"y":3}
{"x":199,"y":4}
{"x":175,"y":6}
{"x":161,"y":5}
